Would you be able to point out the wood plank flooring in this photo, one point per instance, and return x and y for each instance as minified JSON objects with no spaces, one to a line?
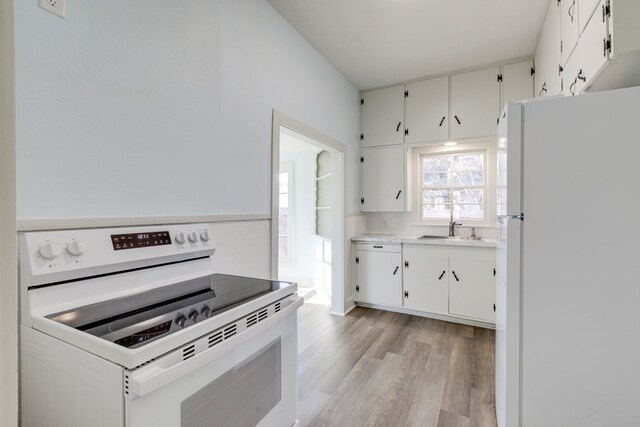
{"x":377,"y":368}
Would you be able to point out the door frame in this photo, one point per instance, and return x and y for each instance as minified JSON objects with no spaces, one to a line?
{"x":338,"y":271}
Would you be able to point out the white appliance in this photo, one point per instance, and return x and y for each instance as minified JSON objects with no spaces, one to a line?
{"x":568,"y":341}
{"x":131,"y":327}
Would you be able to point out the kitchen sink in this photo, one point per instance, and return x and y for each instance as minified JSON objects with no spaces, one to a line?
{"x":428,"y":236}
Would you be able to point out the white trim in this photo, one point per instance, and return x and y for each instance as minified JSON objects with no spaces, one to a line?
{"x":78,"y":223}
{"x":284,"y":123}
{"x":445,"y":317}
{"x":8,"y":245}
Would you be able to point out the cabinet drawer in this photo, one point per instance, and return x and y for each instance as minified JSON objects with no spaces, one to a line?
{"x":379,"y":247}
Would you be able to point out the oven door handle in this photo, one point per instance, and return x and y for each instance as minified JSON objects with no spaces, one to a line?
{"x":147,"y":379}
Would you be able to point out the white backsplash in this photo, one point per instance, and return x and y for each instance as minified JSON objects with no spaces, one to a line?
{"x":403,"y":224}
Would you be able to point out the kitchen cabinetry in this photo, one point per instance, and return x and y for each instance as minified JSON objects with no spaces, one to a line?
{"x":475,"y":103}
{"x":425,"y":280}
{"x":472,"y":284}
{"x":517,"y":82}
{"x":383,"y":179}
{"x":586,"y":9}
{"x":379,"y":274}
{"x":547,"y":56}
{"x":427,"y":110}
{"x":383,"y":117}
{"x":569,"y":28}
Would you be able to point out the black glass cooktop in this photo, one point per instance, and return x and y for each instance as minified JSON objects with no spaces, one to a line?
{"x":135,"y":320}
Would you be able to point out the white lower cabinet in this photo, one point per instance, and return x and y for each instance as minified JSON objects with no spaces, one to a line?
{"x":472,"y":283}
{"x":453,"y":282}
{"x":426,"y":285}
{"x":379,"y":274}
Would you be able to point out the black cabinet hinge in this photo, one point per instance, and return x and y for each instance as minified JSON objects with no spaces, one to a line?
{"x":406,"y":294}
{"x":358,"y":290}
{"x":606,"y":10}
{"x":357,"y":260}
{"x":561,"y":46}
{"x":406,"y":264}
{"x":361,"y":101}
{"x":362,"y":137}
{"x":362,"y":159}
{"x":499,"y":78}
{"x":494,"y":272}
{"x":494,"y":307}
{"x":498,"y":121}
{"x":560,"y":69}
{"x":607,"y":44}
{"x":406,"y":93}
{"x":533,"y":70}
{"x":362,"y":201}
{"x":406,"y":132}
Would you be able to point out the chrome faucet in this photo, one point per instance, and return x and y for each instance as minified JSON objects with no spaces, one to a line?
{"x":452,"y":225}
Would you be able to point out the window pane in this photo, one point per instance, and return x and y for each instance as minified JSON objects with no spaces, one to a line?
{"x":283,"y":221}
{"x":440,"y":179}
{"x":468,"y":211}
{"x":434,"y":164}
{"x":462,"y":178}
{"x":283,"y":247}
{"x":284,"y":182}
{"x":435,"y":211}
{"x":438,"y":197}
{"x":284,"y":200}
{"x":468,"y":162}
{"x":468,"y":195}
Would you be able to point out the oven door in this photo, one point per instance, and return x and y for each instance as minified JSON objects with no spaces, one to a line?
{"x":244,"y":374}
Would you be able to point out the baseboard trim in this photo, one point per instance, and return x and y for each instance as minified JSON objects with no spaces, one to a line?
{"x":77,"y":223}
{"x":454,"y":319}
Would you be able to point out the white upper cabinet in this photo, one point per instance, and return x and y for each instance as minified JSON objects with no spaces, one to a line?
{"x":383,"y":179}
{"x":570,"y":75}
{"x":585,"y":11}
{"x":569,"y":27}
{"x":427,"y":110}
{"x":383,"y":117}
{"x":517,"y":82}
{"x":592,"y":52}
{"x":475,"y":103}
{"x":547,"y":57}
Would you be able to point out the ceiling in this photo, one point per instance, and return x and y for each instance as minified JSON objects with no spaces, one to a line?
{"x":381,"y":42}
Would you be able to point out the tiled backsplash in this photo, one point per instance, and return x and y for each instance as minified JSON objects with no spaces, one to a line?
{"x":242,"y":248}
{"x":403,"y":223}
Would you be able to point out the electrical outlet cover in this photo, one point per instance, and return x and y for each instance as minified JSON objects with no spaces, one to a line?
{"x":57,"y":7}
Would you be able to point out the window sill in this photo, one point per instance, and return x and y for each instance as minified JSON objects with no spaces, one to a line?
{"x":464,"y":225}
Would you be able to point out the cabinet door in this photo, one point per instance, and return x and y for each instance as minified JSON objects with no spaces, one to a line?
{"x":426,"y":279}
{"x":547,"y":57}
{"x":383,"y":116}
{"x":585,"y":11}
{"x":570,"y":82}
{"x":517,"y":82}
{"x":379,"y":278}
{"x":472,"y":285}
{"x":383,"y":179}
{"x":568,"y":27}
{"x":591,"y":50}
{"x":475,"y":103}
{"x":427,"y":110}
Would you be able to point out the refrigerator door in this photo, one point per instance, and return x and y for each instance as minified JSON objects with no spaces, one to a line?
{"x":580,"y":273}
{"x":509,"y":180}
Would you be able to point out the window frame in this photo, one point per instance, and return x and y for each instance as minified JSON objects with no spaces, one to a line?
{"x":486,"y":147}
{"x":287,"y":167}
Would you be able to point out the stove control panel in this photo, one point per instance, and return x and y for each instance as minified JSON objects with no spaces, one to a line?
{"x":63,"y":255}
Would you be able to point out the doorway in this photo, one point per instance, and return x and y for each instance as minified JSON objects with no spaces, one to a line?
{"x":308,"y":212}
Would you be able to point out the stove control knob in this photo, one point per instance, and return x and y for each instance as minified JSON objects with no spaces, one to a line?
{"x":193,"y":316}
{"x":193,"y":237}
{"x":204,"y":236}
{"x":180,"y":238}
{"x":50,"y":250}
{"x":206,"y":311}
{"x":76,"y":247}
{"x":181,"y":320}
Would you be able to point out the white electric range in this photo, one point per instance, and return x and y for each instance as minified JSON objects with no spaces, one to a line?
{"x":131,"y":327}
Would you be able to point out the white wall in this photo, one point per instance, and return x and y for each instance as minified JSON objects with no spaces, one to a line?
{"x":161,"y":108}
{"x":8,"y":247}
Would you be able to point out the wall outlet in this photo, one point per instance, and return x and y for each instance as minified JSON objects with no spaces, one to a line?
{"x":57,"y":7}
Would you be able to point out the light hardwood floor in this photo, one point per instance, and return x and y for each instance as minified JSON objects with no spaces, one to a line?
{"x":377,"y":368}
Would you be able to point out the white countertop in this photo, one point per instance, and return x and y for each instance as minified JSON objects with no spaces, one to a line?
{"x":413,"y":240}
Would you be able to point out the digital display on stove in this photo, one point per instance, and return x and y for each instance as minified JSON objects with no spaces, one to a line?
{"x":142,"y":336}
{"x":140,"y":240}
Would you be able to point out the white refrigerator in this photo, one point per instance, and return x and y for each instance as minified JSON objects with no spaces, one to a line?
{"x":568,"y":289}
